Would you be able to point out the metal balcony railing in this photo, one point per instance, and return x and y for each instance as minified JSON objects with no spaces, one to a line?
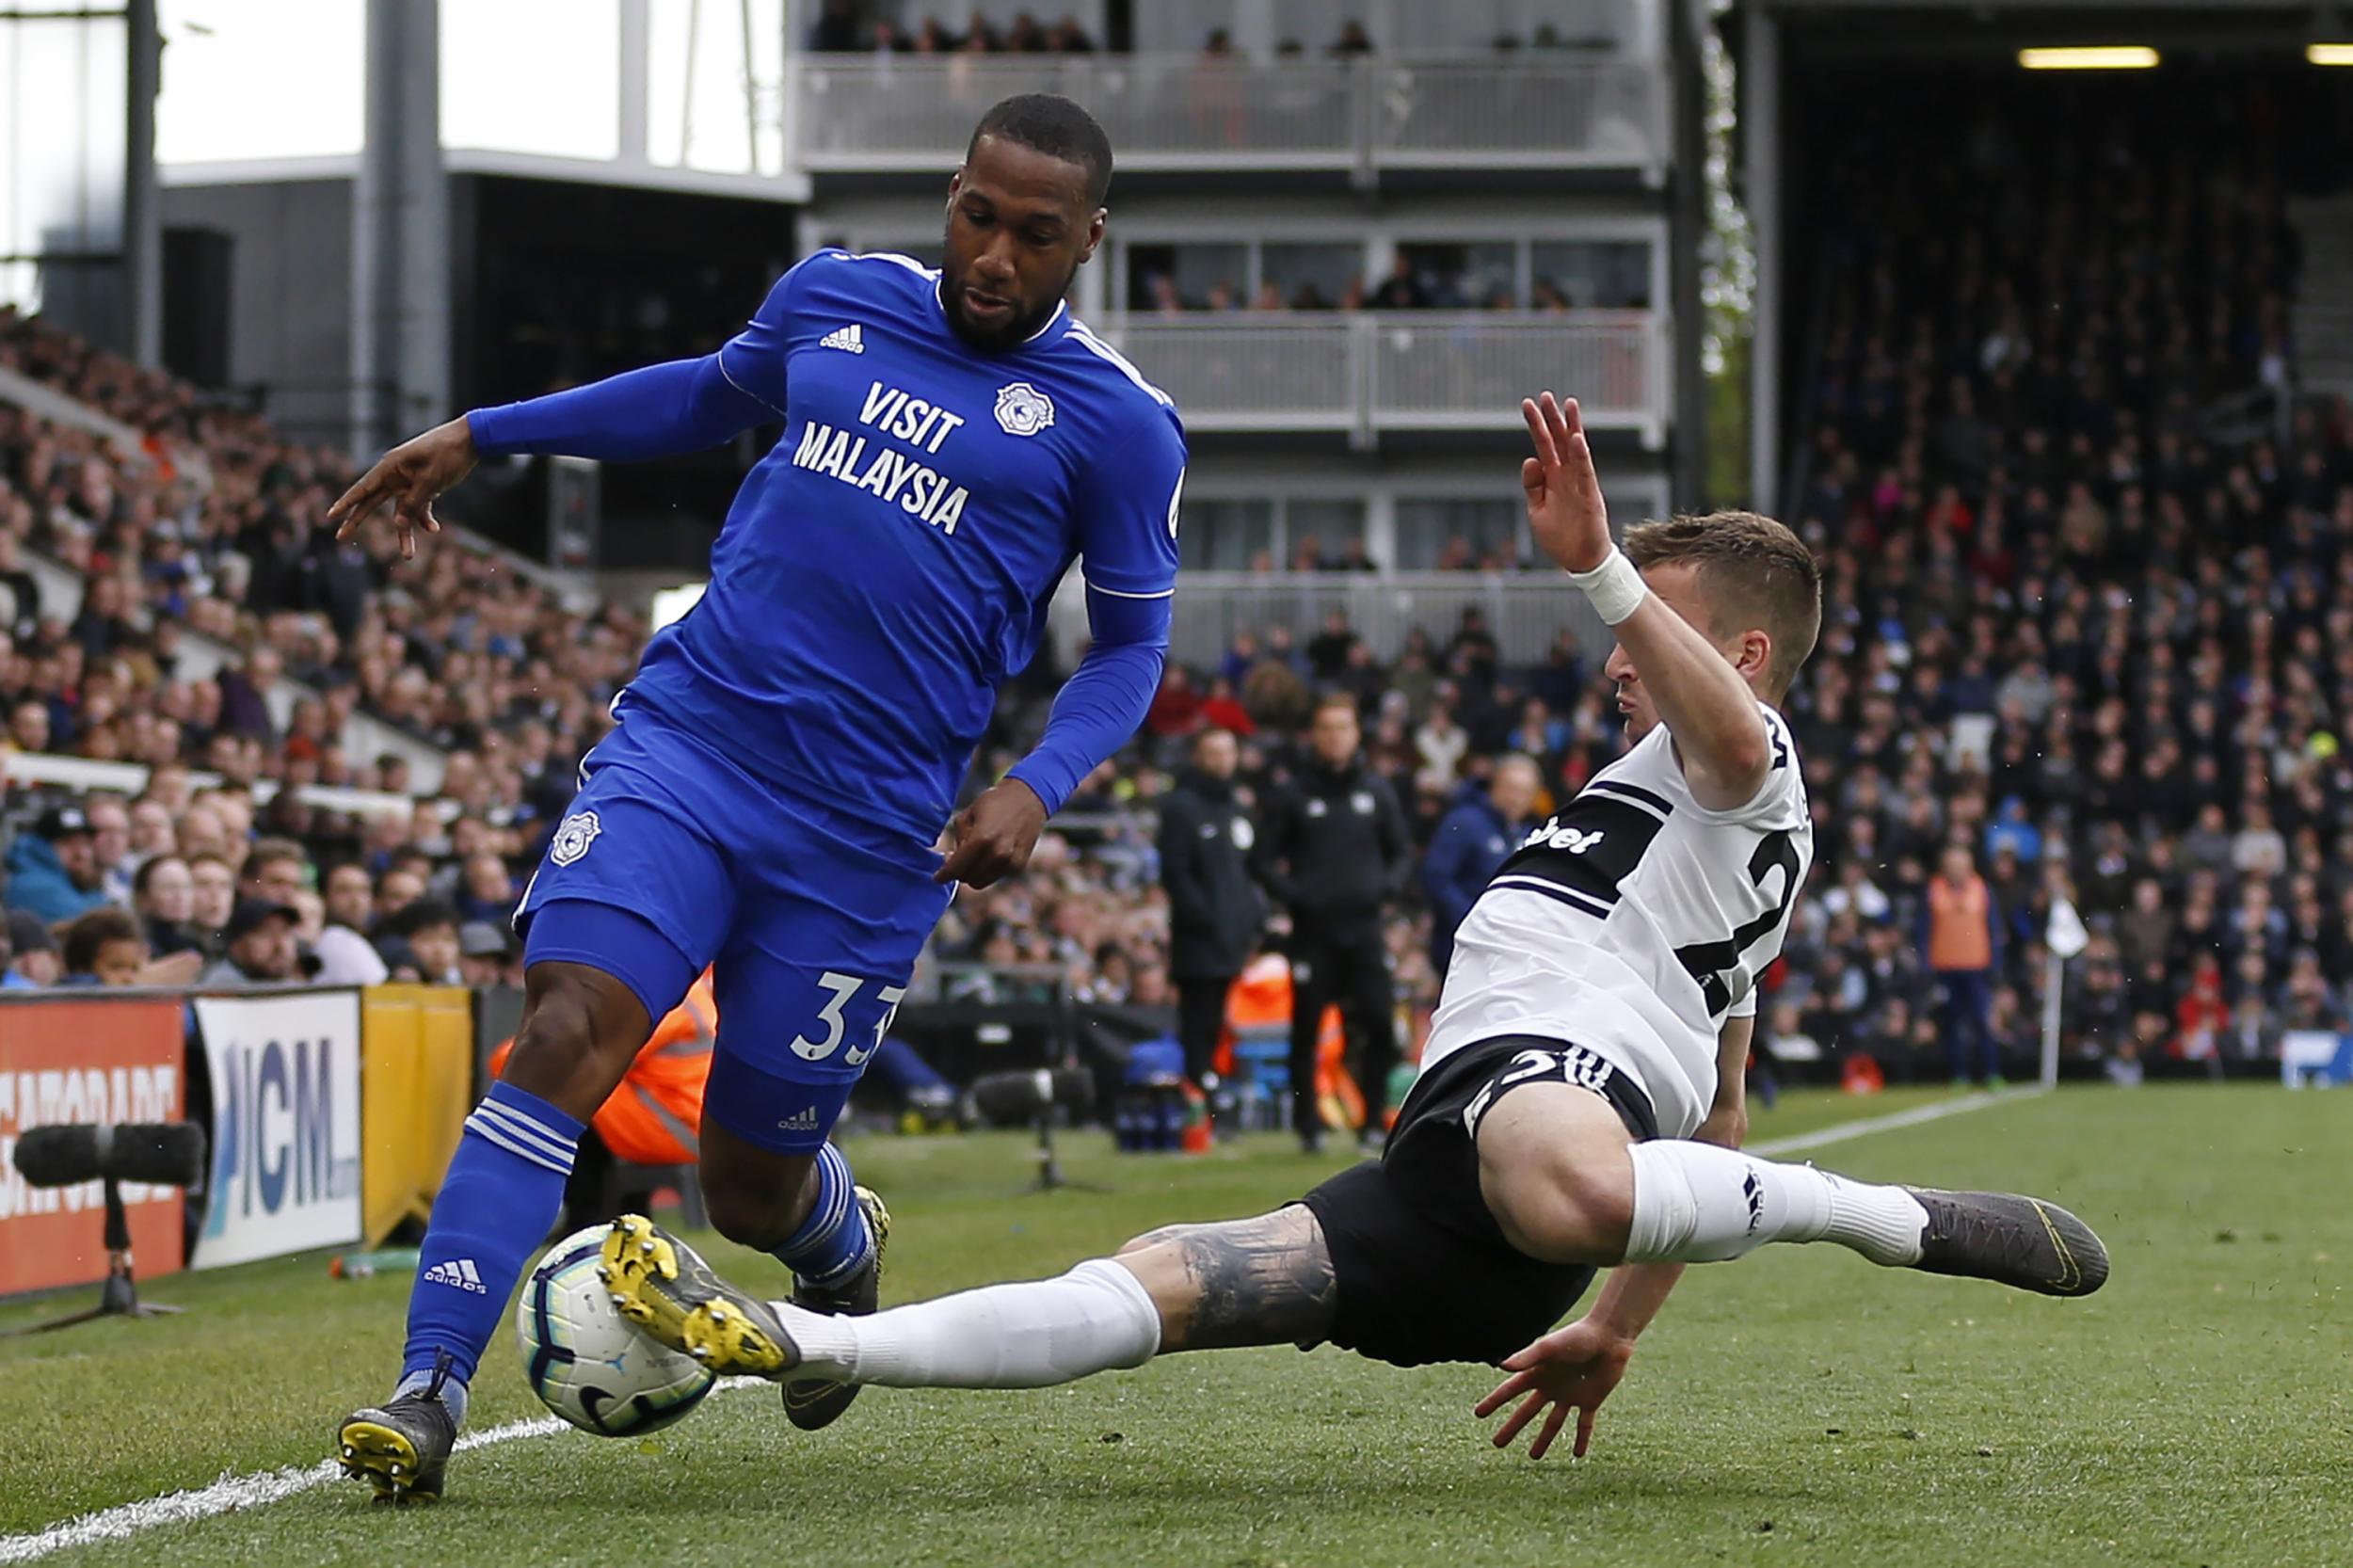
{"x":1441,"y":114}
{"x":1363,"y":375}
{"x":856,"y":113}
{"x":1526,"y":612}
{"x":1263,"y":373}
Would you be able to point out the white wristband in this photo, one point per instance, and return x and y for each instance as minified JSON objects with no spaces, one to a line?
{"x":1616,"y":589}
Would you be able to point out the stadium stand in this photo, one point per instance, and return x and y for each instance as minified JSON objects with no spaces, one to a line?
{"x":2090,"y":604}
{"x":2089,"y":622}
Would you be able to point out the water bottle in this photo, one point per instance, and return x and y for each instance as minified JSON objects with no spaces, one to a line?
{"x":367,"y":1265}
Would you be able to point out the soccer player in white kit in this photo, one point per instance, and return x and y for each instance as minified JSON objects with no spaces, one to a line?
{"x":1580,"y":1100}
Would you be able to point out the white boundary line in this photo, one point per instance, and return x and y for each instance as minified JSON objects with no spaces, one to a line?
{"x":231,"y":1494}
{"x":1774,"y":1149}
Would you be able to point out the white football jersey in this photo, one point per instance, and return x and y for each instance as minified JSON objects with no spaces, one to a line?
{"x":1634,"y":922}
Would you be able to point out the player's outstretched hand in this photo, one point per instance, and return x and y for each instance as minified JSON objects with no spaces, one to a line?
{"x":1565,"y":511}
{"x":1571,"y":1368}
{"x":410,"y":477}
{"x":993,"y":837}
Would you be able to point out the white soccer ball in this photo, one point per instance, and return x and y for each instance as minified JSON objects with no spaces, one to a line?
{"x":588,"y":1363}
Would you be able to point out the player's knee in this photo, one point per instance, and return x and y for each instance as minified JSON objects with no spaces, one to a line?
{"x":753,"y":1198}
{"x":1569,"y":1214}
{"x":746,"y":1215}
{"x":1561,"y":1198}
{"x":576,"y":1039}
{"x":1151,"y":1239}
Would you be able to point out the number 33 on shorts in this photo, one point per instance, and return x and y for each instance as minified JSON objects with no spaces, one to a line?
{"x":833,"y":1026}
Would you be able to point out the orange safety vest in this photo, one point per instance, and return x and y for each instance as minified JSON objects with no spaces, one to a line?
{"x":1958,"y":938}
{"x":654,"y":1115}
{"x":1261,"y":999}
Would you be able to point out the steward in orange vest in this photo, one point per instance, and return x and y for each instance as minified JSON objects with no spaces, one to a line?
{"x":654,"y":1116}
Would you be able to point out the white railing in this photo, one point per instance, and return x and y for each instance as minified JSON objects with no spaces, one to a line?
{"x":1526,"y":612}
{"x":852,"y":113}
{"x":1470,"y":371}
{"x":1444,"y":114}
{"x":80,"y":776}
{"x":1400,"y":371}
{"x":1265,"y":373}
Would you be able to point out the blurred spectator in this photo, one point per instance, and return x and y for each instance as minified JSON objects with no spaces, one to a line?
{"x":257,"y":947}
{"x":487,"y":891}
{"x":1402,"y":290}
{"x":1959,"y":943}
{"x":275,"y":869}
{"x":341,"y":948}
{"x":32,"y":958}
{"x":52,"y":872}
{"x":1214,"y":910}
{"x":1332,"y":851}
{"x":484,"y":954}
{"x":350,"y":898}
{"x":1480,"y":830}
{"x":428,"y":928}
{"x":212,"y":898}
{"x":110,"y":845}
{"x":163,"y":896}
{"x":835,"y":29}
{"x":102,"y":947}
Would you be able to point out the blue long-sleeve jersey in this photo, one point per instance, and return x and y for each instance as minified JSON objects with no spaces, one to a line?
{"x":889,"y":563}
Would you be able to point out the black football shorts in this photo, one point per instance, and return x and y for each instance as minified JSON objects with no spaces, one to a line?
{"x":1422,"y":1271}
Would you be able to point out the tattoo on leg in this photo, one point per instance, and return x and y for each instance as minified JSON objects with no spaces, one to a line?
{"x":1266,"y":1281}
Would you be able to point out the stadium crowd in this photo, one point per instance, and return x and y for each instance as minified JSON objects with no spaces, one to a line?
{"x":847,"y":26}
{"x":2089,"y":635}
{"x":1412,"y":284}
{"x":207,"y":529}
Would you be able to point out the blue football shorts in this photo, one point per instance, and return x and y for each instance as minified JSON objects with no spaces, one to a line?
{"x":672,"y":857}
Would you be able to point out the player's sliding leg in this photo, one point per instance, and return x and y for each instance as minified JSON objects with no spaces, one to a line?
{"x":1263,"y":1281}
{"x":498,"y":1200}
{"x":1569,"y":1185}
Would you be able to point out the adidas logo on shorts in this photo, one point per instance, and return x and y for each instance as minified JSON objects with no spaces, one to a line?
{"x":801,"y":1121}
{"x":457,"y":1272}
{"x":848,"y":338}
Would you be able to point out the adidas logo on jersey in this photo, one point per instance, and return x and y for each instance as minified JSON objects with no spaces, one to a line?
{"x":847,"y":338}
{"x":804,"y":1120}
{"x":459,"y":1273}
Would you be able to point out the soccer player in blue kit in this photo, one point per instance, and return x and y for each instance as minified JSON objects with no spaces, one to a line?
{"x":772,"y":795}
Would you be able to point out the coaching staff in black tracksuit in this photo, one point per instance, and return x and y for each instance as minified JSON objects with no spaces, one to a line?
{"x":1214,"y":911}
{"x":1332,"y":849}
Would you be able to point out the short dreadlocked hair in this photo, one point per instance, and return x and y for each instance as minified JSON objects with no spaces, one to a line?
{"x":1050,"y":124}
{"x":1755,"y":572}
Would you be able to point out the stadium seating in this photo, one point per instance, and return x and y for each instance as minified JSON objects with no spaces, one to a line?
{"x":2086,"y":618}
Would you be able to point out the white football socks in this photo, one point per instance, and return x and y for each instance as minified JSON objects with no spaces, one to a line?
{"x":1699,"y":1203}
{"x":1041,"y":1332}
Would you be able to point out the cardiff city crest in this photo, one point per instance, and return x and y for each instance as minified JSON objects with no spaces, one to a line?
{"x":1023,"y":410}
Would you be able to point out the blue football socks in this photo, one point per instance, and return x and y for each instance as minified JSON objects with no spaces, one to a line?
{"x":834,"y":1242}
{"x":496,"y":1204}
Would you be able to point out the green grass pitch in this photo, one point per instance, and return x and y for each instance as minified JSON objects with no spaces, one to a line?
{"x":1795,"y":1408}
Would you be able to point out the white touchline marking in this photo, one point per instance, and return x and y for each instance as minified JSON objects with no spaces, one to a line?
{"x":233,"y":1493}
{"x":1774,"y":1149}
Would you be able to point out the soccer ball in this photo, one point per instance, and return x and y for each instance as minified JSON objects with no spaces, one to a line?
{"x":590,"y":1365}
